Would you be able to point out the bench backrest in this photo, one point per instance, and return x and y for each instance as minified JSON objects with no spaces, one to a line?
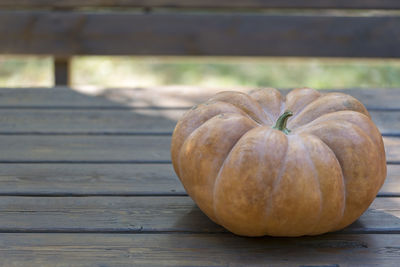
{"x":199,"y":27}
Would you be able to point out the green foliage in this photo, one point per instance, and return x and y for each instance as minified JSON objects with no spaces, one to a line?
{"x":18,"y":71}
{"x":212,"y":72}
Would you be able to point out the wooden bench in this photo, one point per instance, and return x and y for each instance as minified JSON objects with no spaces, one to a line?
{"x":196,"y":28}
{"x":87,"y":180}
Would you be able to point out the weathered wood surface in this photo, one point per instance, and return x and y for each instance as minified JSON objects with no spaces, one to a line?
{"x":197,"y":250}
{"x":124,"y":122}
{"x":85,"y":199}
{"x":147,"y":214}
{"x":226,"y":4}
{"x":157,"y":97}
{"x":107,"y":149}
{"x":113,"y":180}
{"x":92,"y":179}
{"x":33,"y":121}
{"x":94,"y":149}
{"x":106,"y":33}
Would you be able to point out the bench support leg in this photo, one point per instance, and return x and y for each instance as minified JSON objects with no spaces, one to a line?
{"x":62,"y":71}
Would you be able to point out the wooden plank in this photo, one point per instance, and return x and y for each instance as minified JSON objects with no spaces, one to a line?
{"x":112,"y":180}
{"x":55,"y":121}
{"x":107,"y":149}
{"x":392,"y":183}
{"x":90,"y":179}
{"x":338,"y":4}
{"x":105,"y":33}
{"x":392,"y":148}
{"x":89,"y":149}
{"x":124,"y":122}
{"x":387,"y":122}
{"x":197,"y":250}
{"x":59,"y":97}
{"x":147,"y":214}
{"x":160,"y":97}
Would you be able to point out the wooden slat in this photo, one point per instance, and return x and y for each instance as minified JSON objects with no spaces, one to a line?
{"x":112,"y":180}
{"x":392,"y":148}
{"x":167,"y":97}
{"x":392,"y":183}
{"x":358,"y":4}
{"x":58,"y":97}
{"x":90,"y":179}
{"x":197,"y":250}
{"x":88,"y":121}
{"x":66,"y":33}
{"x":107,"y":149}
{"x":124,"y":122}
{"x":85,"y":148}
{"x":146,"y":214}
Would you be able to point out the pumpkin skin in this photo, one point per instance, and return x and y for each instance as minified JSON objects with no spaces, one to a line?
{"x":255,"y":180}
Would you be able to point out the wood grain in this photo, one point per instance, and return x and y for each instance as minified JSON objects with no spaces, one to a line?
{"x":74,"y":214}
{"x":147,"y":214}
{"x":107,"y":149}
{"x":392,"y":183}
{"x":124,"y":122}
{"x":35,"y":121}
{"x":358,"y":4}
{"x":197,"y":250}
{"x":159,"y":97}
{"x":105,"y":33}
{"x":89,"y":179}
{"x":92,"y":149}
{"x":112,"y":180}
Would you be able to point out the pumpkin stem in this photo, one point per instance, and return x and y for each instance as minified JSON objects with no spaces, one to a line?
{"x":281,"y":122}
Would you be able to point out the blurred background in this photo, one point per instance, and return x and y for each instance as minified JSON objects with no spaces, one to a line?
{"x":222,"y":72}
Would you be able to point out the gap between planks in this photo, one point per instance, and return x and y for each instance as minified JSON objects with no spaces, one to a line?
{"x":116,"y":134}
{"x":135,"y":194}
{"x":109,"y":162}
{"x":130,"y":108}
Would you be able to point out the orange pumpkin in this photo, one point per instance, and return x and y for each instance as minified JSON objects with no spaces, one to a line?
{"x":258,"y":170}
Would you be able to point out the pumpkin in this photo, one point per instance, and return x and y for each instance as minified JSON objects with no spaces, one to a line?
{"x":264,"y":164}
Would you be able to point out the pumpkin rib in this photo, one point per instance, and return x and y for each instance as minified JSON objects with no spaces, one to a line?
{"x":250,"y":116}
{"x":299,"y":94}
{"x":340,"y":223}
{"x":344,"y":103}
{"x":371,"y":129}
{"x":301,"y":110}
{"x":312,"y":164}
{"x":177,"y":144}
{"x":362,"y":132}
{"x":229,"y":153}
{"x":342,"y":175}
{"x":197,"y":128}
{"x":303,"y":127}
{"x":359,"y":131}
{"x":310,"y":124}
{"x":278,"y":178}
{"x":213,"y":118}
{"x":234,"y":95}
{"x":241,"y":112}
{"x":226,"y":159}
{"x":273,"y":96}
{"x":246,"y":125}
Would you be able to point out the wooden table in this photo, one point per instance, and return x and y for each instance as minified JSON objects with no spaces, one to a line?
{"x":87,"y":181}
